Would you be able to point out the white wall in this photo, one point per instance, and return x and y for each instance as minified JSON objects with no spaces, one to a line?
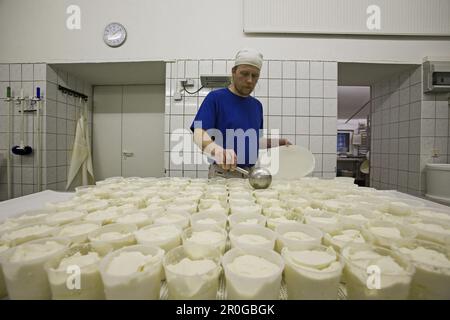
{"x":351,"y":125}
{"x":170,"y":29}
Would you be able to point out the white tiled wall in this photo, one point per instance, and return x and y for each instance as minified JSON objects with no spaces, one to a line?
{"x":57,"y":127}
{"x":62,"y":114}
{"x":23,"y":168}
{"x":407,"y":126}
{"x":435,"y":138}
{"x":299,"y":98}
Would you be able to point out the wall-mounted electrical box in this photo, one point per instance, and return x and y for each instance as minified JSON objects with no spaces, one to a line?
{"x":436,"y":76}
{"x":215,"y":81}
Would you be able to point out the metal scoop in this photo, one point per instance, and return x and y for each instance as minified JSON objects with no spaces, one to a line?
{"x":259,"y":178}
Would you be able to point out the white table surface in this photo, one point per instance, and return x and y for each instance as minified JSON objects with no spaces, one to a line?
{"x":14,"y":207}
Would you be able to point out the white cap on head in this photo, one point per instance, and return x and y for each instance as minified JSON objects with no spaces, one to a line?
{"x":250,"y":57}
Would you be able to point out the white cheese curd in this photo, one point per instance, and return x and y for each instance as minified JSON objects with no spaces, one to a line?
{"x":252,"y":236}
{"x":253,"y":239}
{"x":132,"y":273}
{"x":240,"y":198}
{"x":64,"y":217}
{"x":179,"y":219}
{"x":395,"y":273}
{"x":269,"y":202}
{"x":191,"y":279}
{"x":221,"y":196}
{"x":92,"y":206}
{"x":295,"y":203}
{"x":104,"y":217}
{"x":31,"y":251}
{"x":107,"y":236}
{"x":32,"y":217}
{"x":297,"y":236}
{"x":247,"y":219}
{"x":435,"y":214}
{"x":209,"y":219}
{"x":186,"y":208}
{"x":157,"y":202}
{"x":166,"y":237}
{"x":399,"y":208}
{"x":206,"y":221}
{"x":140,"y":219}
{"x":8,"y":225}
{"x":253,"y":266}
{"x":341,"y":238}
{"x":91,"y":286}
{"x":77,"y":232}
{"x":214,"y":238}
{"x":3,"y":292}
{"x":335,"y":205}
{"x":79,"y":260}
{"x":427,"y":230}
{"x":112,"y":237}
{"x":355,"y":219}
{"x":386,"y":233}
{"x":313,"y":273}
{"x":216,"y":209}
{"x":24,"y":234}
{"x":3,"y":248}
{"x":62,"y":205}
{"x":252,"y":273}
{"x":432,"y":277}
{"x":265,"y":193}
{"x":273,"y":223}
{"x":235,"y":202}
{"x":23,"y":268}
{"x":188,"y":267}
{"x":427,"y":256}
{"x":129,"y":263}
{"x":275,"y":212}
{"x":127,"y":208}
{"x":324,"y":221}
{"x":246,"y":209}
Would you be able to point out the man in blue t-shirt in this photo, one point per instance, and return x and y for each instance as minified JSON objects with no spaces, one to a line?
{"x":228,"y":126}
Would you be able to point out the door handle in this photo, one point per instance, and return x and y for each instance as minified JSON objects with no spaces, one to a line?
{"x":127,"y":154}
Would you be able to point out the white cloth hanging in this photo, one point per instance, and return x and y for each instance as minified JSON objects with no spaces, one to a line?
{"x":81,"y":171}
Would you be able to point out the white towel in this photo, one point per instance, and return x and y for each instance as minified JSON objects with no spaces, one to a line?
{"x":81,"y":171}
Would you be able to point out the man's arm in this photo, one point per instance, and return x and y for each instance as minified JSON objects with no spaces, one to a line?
{"x":226,"y":158}
{"x":266,"y":143}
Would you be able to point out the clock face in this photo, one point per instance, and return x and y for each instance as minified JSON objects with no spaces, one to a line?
{"x":114,"y":34}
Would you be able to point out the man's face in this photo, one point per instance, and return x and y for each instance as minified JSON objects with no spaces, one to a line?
{"x":245,"y":78}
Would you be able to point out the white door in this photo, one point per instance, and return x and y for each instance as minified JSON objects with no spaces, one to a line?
{"x":128,"y":131}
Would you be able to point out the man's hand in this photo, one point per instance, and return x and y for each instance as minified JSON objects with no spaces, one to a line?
{"x":284,"y":142}
{"x":226,"y":158}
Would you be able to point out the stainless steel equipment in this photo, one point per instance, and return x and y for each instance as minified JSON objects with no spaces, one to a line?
{"x":259,"y":178}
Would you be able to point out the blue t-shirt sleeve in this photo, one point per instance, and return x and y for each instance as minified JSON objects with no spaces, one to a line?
{"x":206,"y":115}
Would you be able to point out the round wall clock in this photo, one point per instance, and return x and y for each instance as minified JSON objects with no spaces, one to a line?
{"x":114,"y":35}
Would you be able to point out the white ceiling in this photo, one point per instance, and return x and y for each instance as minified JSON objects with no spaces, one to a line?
{"x":365,"y":74}
{"x":117,"y":73}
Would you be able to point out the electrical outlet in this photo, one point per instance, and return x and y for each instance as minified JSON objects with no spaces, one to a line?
{"x":177,"y":96}
{"x":187,"y":83}
{"x":435,"y":153}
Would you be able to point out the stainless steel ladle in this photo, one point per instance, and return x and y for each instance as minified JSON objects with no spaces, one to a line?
{"x":259,"y":178}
